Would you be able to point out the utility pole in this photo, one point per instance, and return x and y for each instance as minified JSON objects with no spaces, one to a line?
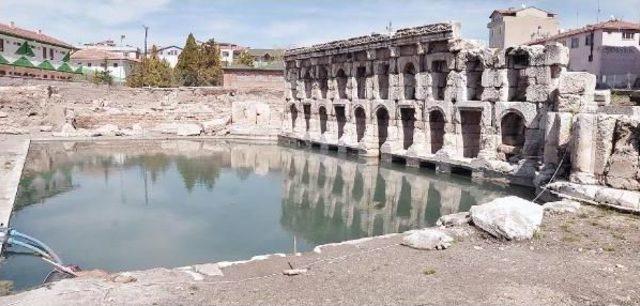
{"x":146,"y":32}
{"x":598,"y":13}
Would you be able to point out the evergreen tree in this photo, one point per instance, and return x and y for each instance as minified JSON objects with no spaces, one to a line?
{"x":151,"y":72}
{"x":209,"y":64}
{"x":187,"y":69}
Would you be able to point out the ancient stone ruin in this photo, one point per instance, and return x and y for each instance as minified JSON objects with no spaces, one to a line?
{"x":426,"y":97}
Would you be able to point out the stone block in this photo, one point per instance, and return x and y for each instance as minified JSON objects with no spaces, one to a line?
{"x":494,"y":78}
{"x":602,"y":97}
{"x":577,"y":83}
{"x":510,"y":218}
{"x":624,"y":165}
{"x":540,"y":75}
{"x":569,"y":103}
{"x":556,"y":54}
{"x":538,"y":93}
{"x":492,"y":94}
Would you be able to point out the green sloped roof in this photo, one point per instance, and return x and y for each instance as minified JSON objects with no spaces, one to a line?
{"x":67,"y":57}
{"x":79,"y":70}
{"x":46,"y":65}
{"x":22,"y":62}
{"x":25,"y":49}
{"x":3,"y":60}
{"x":65,"y":68}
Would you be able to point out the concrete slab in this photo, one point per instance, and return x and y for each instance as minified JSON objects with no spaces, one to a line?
{"x":13,"y":153}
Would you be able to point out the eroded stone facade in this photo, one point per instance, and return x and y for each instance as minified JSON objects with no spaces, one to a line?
{"x":427,"y":96}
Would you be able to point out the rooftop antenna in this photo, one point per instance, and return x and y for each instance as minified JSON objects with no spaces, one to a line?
{"x":146,"y":31}
{"x":577,"y":18}
{"x":598,"y":12}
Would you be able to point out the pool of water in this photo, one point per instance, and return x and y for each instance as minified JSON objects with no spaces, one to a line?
{"x":135,"y":205}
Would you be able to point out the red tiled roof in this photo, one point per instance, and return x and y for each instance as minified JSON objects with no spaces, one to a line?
{"x":613,"y":25}
{"x":96,"y":54}
{"x":31,"y":35}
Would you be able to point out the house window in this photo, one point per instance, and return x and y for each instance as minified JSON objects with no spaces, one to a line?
{"x":225,"y":54}
{"x":44,"y":53}
{"x":588,"y":41}
{"x":1,"y":45}
{"x":575,"y":42}
{"x":51,"y":53}
{"x":627,"y":35}
{"x":115,"y":65}
{"x":88,"y":64}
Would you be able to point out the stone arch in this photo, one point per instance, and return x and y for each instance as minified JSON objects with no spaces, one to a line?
{"x":409,"y":78}
{"x":322,"y":113}
{"x":470,"y":123}
{"x":308,"y":84}
{"x":439,"y":72}
{"x":323,"y":77}
{"x":408,"y":118}
{"x":382,"y":117}
{"x":512,"y":130}
{"x":437,"y":121}
{"x":341,"y":78}
{"x":474,"y":69}
{"x":383,"y":80}
{"x":341,"y":118}
{"x":306,"y":110}
{"x":361,"y":81}
{"x":361,"y":122}
{"x":294,"y":115}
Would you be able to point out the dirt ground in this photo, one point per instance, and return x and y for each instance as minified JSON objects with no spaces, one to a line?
{"x":589,"y":258}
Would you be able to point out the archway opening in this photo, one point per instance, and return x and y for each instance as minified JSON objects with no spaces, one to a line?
{"x":361,"y":123}
{"x":341,"y":118}
{"x":513,"y":134}
{"x":436,"y":129}
{"x":382,"y":115}
{"x":408,"y":117}
{"x":474,"y":70}
{"x":323,"y":77}
{"x":383,"y":81}
{"x":322,"y":112}
{"x":439,"y":72}
{"x":409,"y":78}
{"x":294,"y":116}
{"x":341,"y":78}
{"x":308,"y":85}
{"x":470,"y":124}
{"x":307,"y":116}
{"x":361,"y":80}
{"x":516,"y":76}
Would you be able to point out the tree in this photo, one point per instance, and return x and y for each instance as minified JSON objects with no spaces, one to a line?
{"x":188,"y":63}
{"x":151,"y":72}
{"x":103,"y":76}
{"x":245,"y":58}
{"x":209,"y":66}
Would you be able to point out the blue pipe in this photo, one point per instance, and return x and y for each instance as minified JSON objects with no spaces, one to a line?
{"x":46,"y":257}
{"x":38,"y":243}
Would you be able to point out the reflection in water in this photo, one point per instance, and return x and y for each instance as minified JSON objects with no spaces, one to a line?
{"x":124,"y":206}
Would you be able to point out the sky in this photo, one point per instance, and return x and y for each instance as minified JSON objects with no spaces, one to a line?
{"x":276,"y":23}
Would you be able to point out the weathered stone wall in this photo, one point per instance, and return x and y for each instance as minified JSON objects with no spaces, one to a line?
{"x":75,"y":109}
{"x":252,"y":78}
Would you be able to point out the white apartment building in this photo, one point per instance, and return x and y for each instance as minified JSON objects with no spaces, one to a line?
{"x":98,"y":59}
{"x":170,"y":54}
{"x":610,"y":50}
{"x":516,"y":26}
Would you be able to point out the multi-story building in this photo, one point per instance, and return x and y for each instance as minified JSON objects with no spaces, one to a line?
{"x":110,"y":46}
{"x":516,"y":26}
{"x":27,"y":53}
{"x":170,"y":54}
{"x":228,"y":51}
{"x":610,"y":50}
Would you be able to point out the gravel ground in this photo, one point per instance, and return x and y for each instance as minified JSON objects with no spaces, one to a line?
{"x":589,"y":258}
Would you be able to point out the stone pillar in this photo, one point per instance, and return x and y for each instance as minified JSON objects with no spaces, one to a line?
{"x":583,"y":149}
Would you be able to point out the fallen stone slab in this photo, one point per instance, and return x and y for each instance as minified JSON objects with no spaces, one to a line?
{"x":561,"y":207}
{"x":428,"y":239}
{"x":457,"y":219}
{"x":510,"y":218}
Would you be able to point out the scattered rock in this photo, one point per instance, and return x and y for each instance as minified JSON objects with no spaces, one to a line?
{"x":216,"y":125}
{"x":210,"y":269}
{"x":454,"y":219}
{"x":428,"y":239}
{"x":510,"y":218}
{"x":3,"y":115}
{"x":123,"y":278}
{"x":561,"y":207}
{"x":11,"y":130}
{"x":107,"y":130}
{"x":292,"y":272}
{"x":475,"y":247}
{"x":46,"y":128}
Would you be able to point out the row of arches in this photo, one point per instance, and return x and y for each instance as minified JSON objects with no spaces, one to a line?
{"x":512,"y":127}
{"x":438,"y":71}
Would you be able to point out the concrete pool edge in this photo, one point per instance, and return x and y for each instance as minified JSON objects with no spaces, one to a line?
{"x":13,"y":154}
